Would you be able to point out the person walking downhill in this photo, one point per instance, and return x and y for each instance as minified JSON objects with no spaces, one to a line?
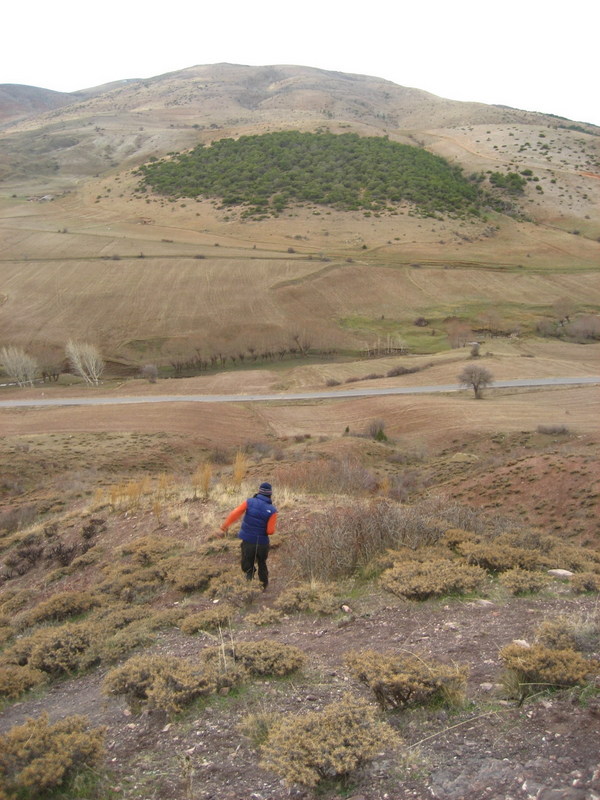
{"x":260,"y":519}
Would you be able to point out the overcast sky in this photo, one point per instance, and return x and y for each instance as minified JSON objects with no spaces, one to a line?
{"x":523,"y":53}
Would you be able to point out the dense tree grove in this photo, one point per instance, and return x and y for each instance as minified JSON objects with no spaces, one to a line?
{"x":349,"y":172}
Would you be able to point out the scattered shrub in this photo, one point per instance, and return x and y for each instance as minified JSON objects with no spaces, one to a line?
{"x":209,"y":620}
{"x":148,"y":549}
{"x":38,"y":756}
{"x":521,"y":581}
{"x":190,"y":572}
{"x":344,"y":539}
{"x":553,"y":430}
{"x":536,"y":668}
{"x":556,"y":634}
{"x":265,"y":657}
{"x":59,"y":607}
{"x":417,"y":580}
{"x":398,"y":681}
{"x":314,"y":597}
{"x":14,"y":680}
{"x":332,"y":743}
{"x":268,"y":616}
{"x":585,"y":582}
{"x":162,"y":683}
{"x":495,"y":557}
{"x":454,"y":537}
{"x":234,"y":588}
{"x":56,"y":651}
{"x":258,"y":725}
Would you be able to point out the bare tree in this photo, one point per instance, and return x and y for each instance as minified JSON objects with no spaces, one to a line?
{"x":477,"y":377}
{"x":19,"y":365}
{"x":85,"y":361}
{"x":563,"y":309}
{"x":459,"y":333}
{"x":149,"y":372}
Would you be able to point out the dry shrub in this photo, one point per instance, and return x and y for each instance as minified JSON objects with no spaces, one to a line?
{"x":265,"y":657}
{"x":59,"y":607}
{"x":578,"y":559}
{"x":521,"y":581}
{"x":536,"y":668}
{"x":398,"y":681}
{"x":36,"y":757}
{"x":130,"y":583}
{"x":585,"y":582}
{"x":162,"y":683}
{"x":557,"y":634}
{"x":345,"y":539}
{"x":14,"y":680}
{"x":332,"y":743}
{"x":268,"y":616}
{"x":166,"y":618}
{"x":6,"y":633}
{"x":190,"y":572}
{"x":496,"y":558}
{"x":234,"y":588}
{"x":454,"y":537}
{"x":258,"y":725}
{"x":326,"y":476}
{"x":313,"y":597}
{"x":553,"y":430}
{"x":209,"y":620}
{"x":418,"y":580}
{"x":56,"y":651}
{"x":148,"y":549}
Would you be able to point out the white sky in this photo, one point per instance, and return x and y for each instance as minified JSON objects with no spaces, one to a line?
{"x":521,"y":53}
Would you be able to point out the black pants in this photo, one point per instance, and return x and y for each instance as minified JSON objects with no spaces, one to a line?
{"x":255,"y":553}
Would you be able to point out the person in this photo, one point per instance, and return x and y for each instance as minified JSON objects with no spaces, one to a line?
{"x":260,"y":519}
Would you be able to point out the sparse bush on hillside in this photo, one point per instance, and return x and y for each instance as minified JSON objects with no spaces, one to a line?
{"x":162,"y":683}
{"x":209,"y":620}
{"x":398,"y":681}
{"x":314,"y":598}
{"x":418,"y":580}
{"x":521,"y":581}
{"x":538,"y":668}
{"x":264,"y":657}
{"x":553,"y":430}
{"x":38,"y":756}
{"x":56,"y":651}
{"x":497,"y":557}
{"x":190,"y":572}
{"x":14,"y":679}
{"x":234,"y":588}
{"x":343,"y":476}
{"x":328,"y":744}
{"x":585,"y":582}
{"x":59,"y":607}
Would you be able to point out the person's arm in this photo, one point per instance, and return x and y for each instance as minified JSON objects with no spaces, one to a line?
{"x":234,"y":515}
{"x":271,"y":524}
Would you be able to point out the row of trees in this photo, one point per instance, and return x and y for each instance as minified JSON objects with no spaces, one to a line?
{"x":82,"y":359}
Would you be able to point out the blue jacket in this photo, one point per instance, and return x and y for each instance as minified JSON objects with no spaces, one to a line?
{"x":259,"y":510}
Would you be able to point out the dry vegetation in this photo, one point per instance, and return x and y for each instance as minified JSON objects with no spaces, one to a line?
{"x":412,"y":641}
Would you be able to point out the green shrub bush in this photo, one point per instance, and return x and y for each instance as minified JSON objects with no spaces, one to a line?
{"x":418,"y":580}
{"x":268,"y":616}
{"x":55,"y":651}
{"x":190,"y":572}
{"x":537,"y":668}
{"x":233,"y":588}
{"x":37,"y":757}
{"x":522,"y":581}
{"x":162,"y":683}
{"x":557,"y":634}
{"x":398,"y":681}
{"x":209,"y":620}
{"x":332,"y":743}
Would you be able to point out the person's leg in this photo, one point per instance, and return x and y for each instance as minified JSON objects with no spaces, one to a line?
{"x":248,"y":559}
{"x":262,"y":553}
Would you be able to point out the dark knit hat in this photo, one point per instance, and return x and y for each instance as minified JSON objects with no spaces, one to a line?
{"x":265,"y":488}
